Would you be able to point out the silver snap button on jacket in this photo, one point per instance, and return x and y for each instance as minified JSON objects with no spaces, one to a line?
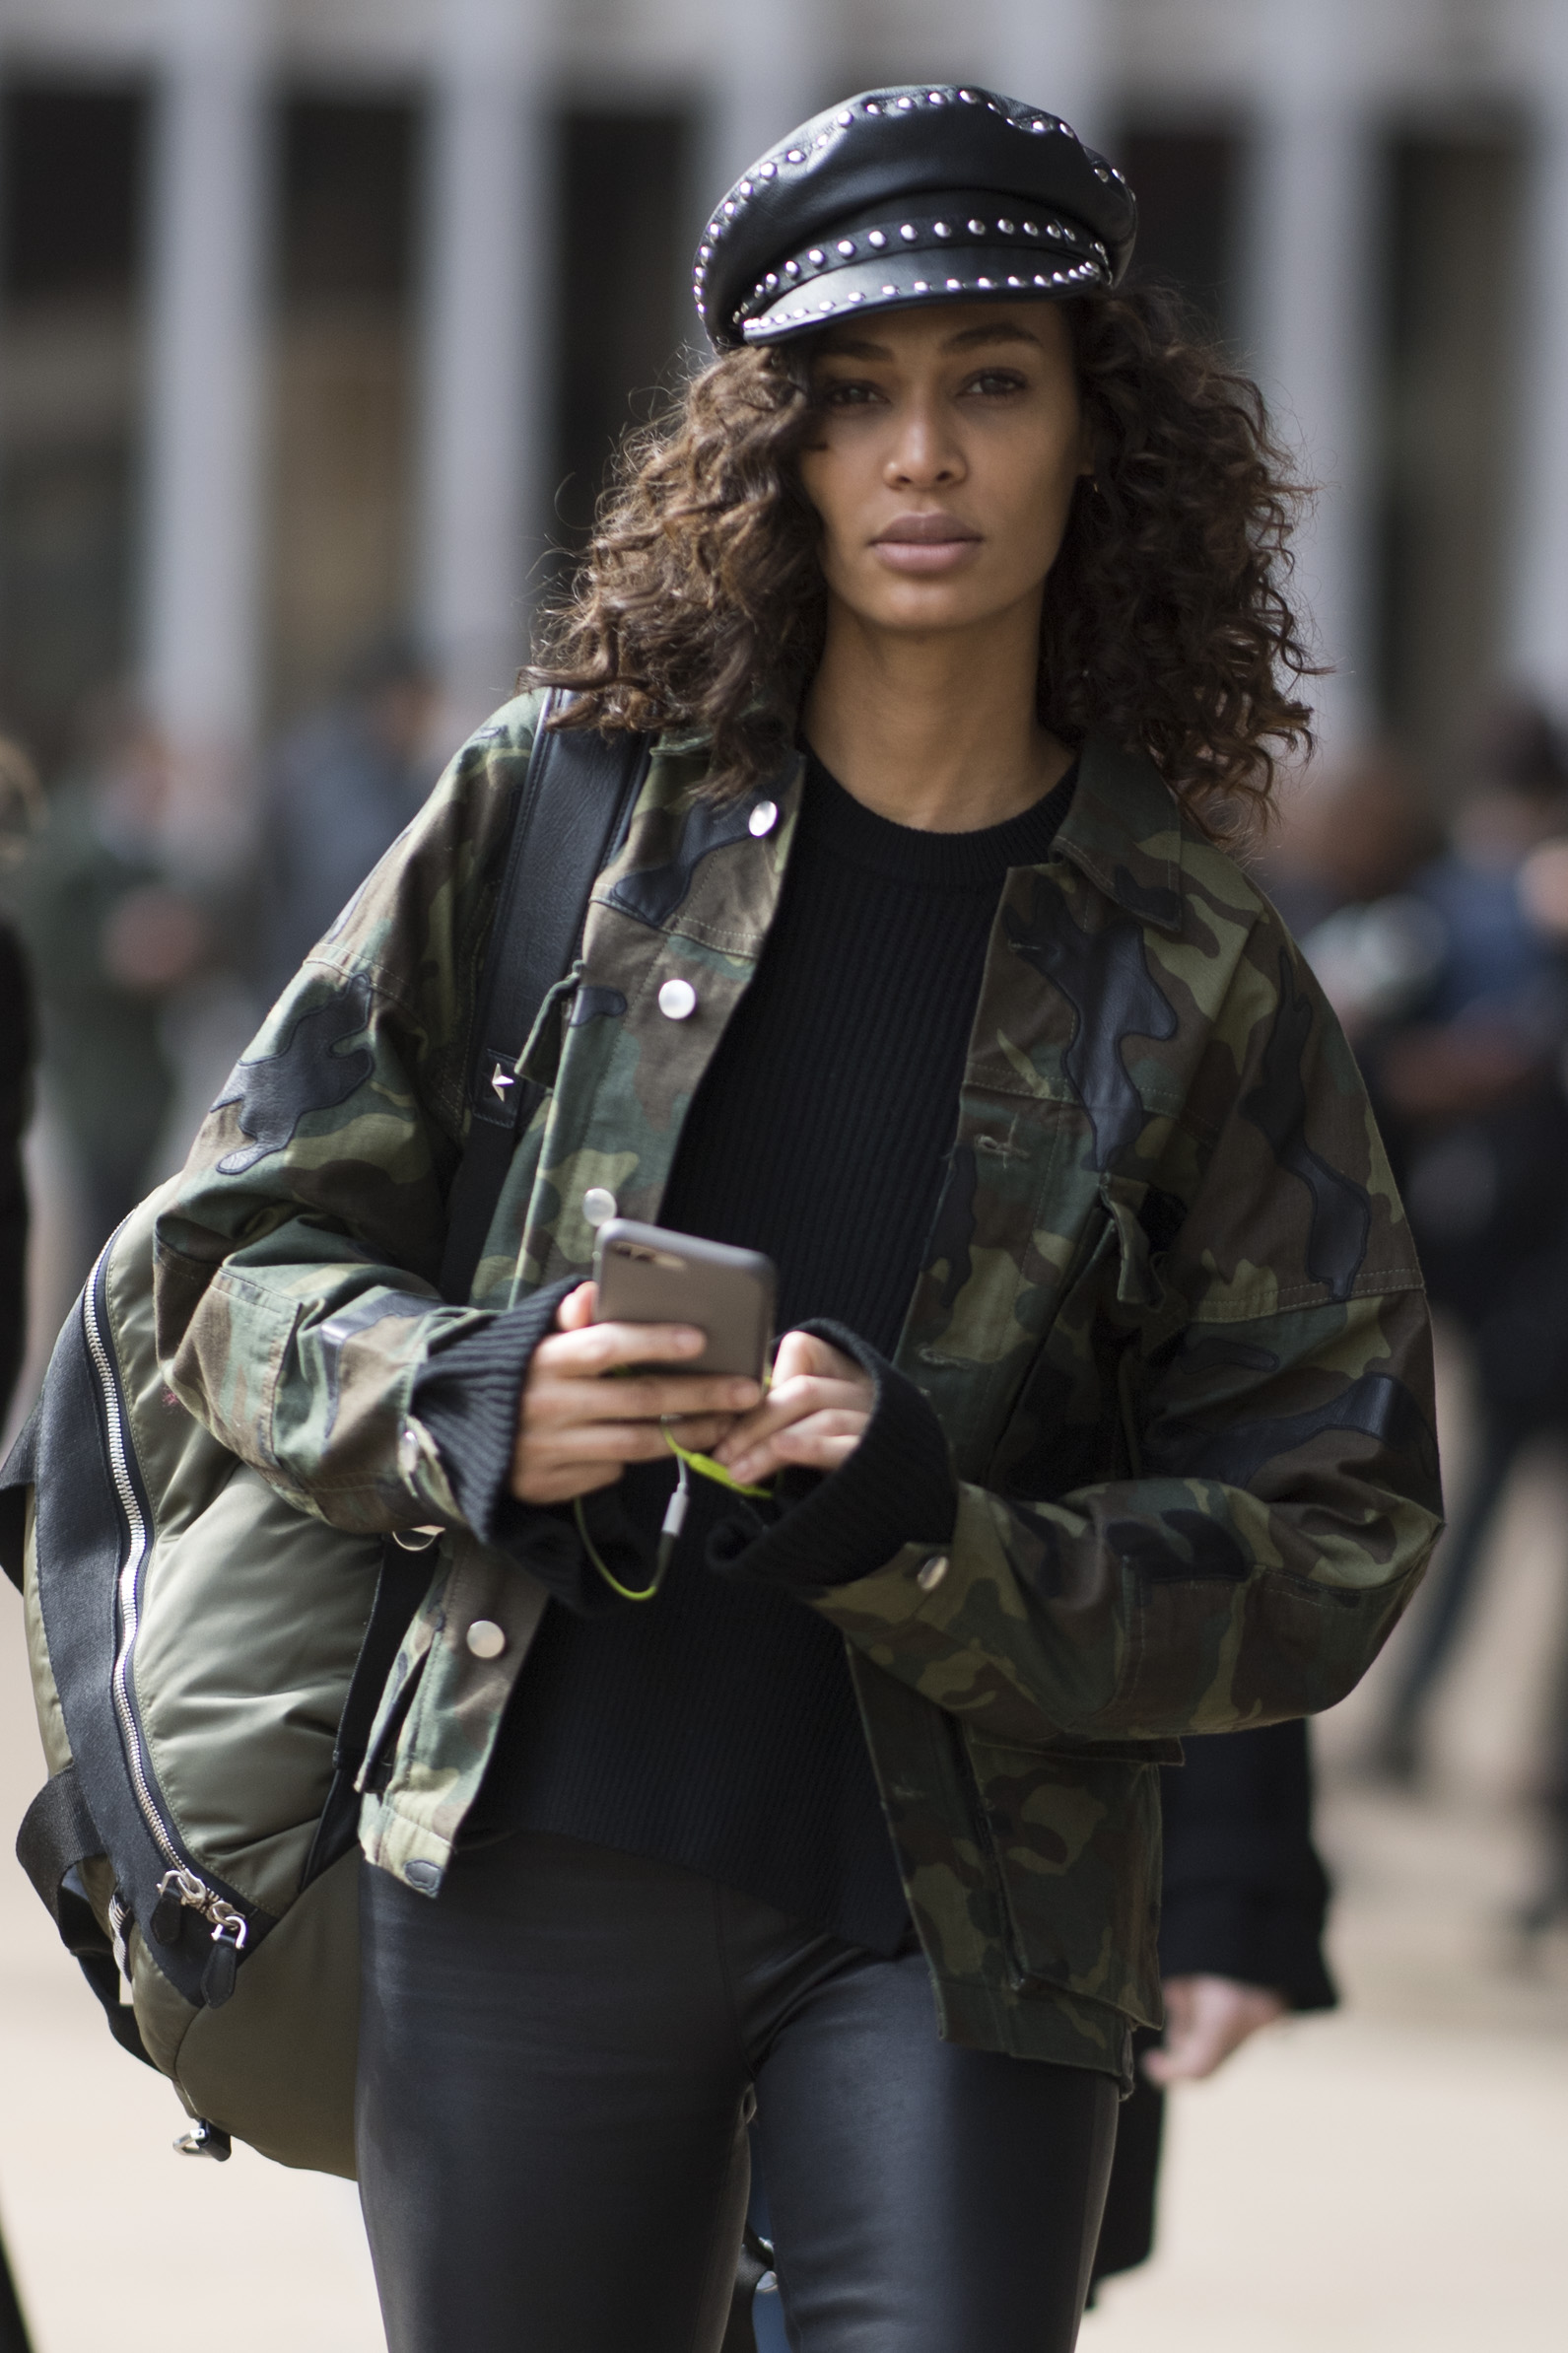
{"x":598,"y":1204}
{"x":677,"y":1000}
{"x":764,"y":817}
{"x":486,"y":1639}
{"x":931,"y":1572}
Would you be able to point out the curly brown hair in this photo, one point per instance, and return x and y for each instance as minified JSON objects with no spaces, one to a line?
{"x":700,"y":604}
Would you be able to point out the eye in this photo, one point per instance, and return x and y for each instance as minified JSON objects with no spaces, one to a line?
{"x":996,"y":384}
{"x":848,"y":391}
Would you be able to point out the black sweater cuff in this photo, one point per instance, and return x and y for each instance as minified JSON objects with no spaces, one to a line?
{"x":896,"y":1488}
{"x":467,"y":1397}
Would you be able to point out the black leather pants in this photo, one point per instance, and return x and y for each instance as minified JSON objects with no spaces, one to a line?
{"x":557,"y":2063}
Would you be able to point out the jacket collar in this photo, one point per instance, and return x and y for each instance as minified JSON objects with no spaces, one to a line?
{"x":1123,"y":830}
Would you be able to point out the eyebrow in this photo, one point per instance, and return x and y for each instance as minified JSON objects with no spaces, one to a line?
{"x":1001,"y":331}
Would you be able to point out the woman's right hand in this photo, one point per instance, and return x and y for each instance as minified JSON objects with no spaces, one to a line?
{"x":584,"y":1416}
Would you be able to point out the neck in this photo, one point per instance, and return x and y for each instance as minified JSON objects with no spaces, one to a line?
{"x":936,"y":729}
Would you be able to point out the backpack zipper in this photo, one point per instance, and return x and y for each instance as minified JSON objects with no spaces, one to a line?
{"x":181,"y":1888}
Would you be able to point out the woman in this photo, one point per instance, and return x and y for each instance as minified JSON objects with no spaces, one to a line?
{"x":1102,"y":1408}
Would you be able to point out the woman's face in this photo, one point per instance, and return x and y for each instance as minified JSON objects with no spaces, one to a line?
{"x":943,"y":469}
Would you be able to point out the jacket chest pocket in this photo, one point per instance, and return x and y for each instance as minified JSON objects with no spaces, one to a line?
{"x":1071,"y":1421}
{"x":1075,"y":1839}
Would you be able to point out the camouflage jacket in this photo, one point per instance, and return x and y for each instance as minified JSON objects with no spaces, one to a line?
{"x":1170,"y":1320}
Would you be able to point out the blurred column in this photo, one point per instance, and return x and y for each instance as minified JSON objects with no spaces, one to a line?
{"x":774,"y":64}
{"x":1540,"y":620}
{"x":1312,"y":228}
{"x":489,"y":358}
{"x":201,"y":587}
{"x":1055,"y":54}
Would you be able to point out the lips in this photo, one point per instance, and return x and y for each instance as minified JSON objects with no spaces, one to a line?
{"x":923,"y":546}
{"x":926,"y":530}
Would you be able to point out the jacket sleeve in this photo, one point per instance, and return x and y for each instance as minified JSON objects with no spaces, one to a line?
{"x":299,"y":1259}
{"x":1279,"y":1494}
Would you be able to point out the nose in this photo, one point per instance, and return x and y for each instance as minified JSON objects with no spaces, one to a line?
{"x":924,"y":453}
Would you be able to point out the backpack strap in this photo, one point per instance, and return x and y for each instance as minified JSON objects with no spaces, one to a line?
{"x":569,"y":819}
{"x":57,"y":1837}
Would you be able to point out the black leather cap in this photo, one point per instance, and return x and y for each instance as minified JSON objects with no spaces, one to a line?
{"x":907,"y":196}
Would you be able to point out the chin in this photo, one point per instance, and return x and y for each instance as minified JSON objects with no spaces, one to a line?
{"x":937,"y":606}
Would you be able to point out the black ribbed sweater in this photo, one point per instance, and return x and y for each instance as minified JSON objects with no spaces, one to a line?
{"x":717,"y":1726}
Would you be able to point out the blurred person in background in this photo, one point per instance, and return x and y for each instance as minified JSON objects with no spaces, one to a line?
{"x":1543,"y":889}
{"x":338,"y":790}
{"x":21,"y":811}
{"x":115,"y":933}
{"x":1456,"y":994}
{"x":1346,"y":841}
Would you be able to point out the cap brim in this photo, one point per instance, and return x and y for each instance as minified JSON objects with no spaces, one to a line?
{"x":903,"y":282}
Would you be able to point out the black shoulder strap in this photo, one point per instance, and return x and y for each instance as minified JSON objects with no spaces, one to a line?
{"x":570,"y":814}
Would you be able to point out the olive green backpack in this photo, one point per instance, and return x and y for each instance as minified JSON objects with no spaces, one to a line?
{"x":206,"y":1658}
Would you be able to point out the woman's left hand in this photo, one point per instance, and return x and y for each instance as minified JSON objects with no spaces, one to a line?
{"x":1205,"y":2019}
{"x":812,"y":1419}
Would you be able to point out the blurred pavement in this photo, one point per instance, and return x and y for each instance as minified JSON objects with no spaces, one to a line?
{"x":1392,"y":2177}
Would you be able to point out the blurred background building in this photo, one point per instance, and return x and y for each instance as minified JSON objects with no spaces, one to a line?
{"x":287,"y":365}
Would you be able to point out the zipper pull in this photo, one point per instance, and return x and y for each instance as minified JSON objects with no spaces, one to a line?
{"x":177,"y":1892}
{"x":223,"y":1963}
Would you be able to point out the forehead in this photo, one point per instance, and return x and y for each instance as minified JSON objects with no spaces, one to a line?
{"x":937,"y":330}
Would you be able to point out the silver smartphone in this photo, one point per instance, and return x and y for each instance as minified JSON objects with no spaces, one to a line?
{"x":648,"y":1276}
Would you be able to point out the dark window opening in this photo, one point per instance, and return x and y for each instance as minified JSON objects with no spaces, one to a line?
{"x":1450,"y":306}
{"x":348,"y":194}
{"x":70,"y":190}
{"x":342,"y":458}
{"x":621,"y":294}
{"x":72,"y":233}
{"x":1187,"y":187}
